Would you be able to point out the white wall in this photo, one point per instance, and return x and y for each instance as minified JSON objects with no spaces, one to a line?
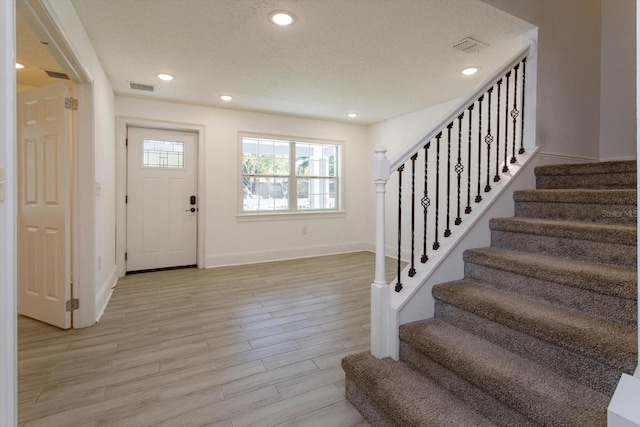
{"x":8,"y":282}
{"x":618,"y":85}
{"x":231,"y":239}
{"x":568,"y":110}
{"x":97,"y":165}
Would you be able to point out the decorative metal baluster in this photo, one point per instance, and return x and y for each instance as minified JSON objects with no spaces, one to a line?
{"x":425,"y":202}
{"x":412,"y":270}
{"x":478,"y":196}
{"x":459,"y":168}
{"x":467,"y":210}
{"x":497,"y":177}
{"x":515,"y":112}
{"x":505,"y":168}
{"x":447,"y":232}
{"x":488,"y":139}
{"x":524,"y":70}
{"x":436,"y":245}
{"x":398,"y":283}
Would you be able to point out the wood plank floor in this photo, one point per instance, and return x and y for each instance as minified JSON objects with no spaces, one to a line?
{"x":256,"y":345}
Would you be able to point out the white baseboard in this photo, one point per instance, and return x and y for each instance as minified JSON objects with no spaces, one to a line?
{"x":556,"y":158}
{"x":104,"y":294}
{"x":283,"y":254}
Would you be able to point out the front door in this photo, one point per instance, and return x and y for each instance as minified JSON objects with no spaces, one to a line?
{"x":44,"y":214}
{"x":162,"y":208}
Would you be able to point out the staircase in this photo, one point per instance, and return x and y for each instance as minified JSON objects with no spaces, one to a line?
{"x":542,"y":325}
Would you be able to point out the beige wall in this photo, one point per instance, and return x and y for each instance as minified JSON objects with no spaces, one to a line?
{"x":618,"y":80}
{"x":571,"y":96}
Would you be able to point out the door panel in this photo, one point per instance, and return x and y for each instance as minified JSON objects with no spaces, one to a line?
{"x":161,"y":178}
{"x":44,"y":268}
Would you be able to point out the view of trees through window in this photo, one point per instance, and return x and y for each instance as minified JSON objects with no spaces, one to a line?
{"x":280,"y":175}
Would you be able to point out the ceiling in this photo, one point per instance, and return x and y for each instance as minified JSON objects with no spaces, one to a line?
{"x":378,"y":58}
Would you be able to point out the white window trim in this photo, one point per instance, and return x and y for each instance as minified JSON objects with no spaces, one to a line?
{"x":290,"y":214}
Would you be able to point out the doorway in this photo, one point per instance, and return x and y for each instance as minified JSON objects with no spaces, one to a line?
{"x":161,"y":199}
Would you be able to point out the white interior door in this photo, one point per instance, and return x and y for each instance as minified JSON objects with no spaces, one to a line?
{"x":162,"y":208}
{"x":44,"y":239}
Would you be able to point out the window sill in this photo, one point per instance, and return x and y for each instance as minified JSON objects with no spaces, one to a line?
{"x":278,"y":216}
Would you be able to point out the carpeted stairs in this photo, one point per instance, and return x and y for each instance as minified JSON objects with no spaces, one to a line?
{"x":542,"y":325}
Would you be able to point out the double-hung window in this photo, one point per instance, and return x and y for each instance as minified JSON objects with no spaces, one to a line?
{"x":279,"y":174}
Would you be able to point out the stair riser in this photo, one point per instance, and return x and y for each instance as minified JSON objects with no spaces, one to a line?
{"x":619,"y":310}
{"x":588,"y":181}
{"x":477,"y":398}
{"x":578,"y":367}
{"x":580,"y":250}
{"x":366,"y":406}
{"x":586,"y":212}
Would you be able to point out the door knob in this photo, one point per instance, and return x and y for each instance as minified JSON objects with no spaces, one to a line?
{"x":191,"y":210}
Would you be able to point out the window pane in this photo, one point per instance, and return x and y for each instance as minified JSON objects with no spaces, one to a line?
{"x":265,"y":193}
{"x":162,"y":154}
{"x":316,"y":193}
{"x":265,"y":157}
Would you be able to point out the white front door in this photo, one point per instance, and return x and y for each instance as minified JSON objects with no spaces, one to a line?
{"x":162,"y":200}
{"x":44,"y":233}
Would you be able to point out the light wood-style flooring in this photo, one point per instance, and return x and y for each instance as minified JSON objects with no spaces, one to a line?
{"x":257,"y":345}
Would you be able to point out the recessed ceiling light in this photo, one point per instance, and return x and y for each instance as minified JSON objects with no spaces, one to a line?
{"x":281,"y":18}
{"x":165,"y":77}
{"x":470,"y":71}
{"x":352,"y":115}
{"x":19,"y":66}
{"x":226,"y":97}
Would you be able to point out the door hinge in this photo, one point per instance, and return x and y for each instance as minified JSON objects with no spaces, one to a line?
{"x":73,"y":304}
{"x":126,"y":142}
{"x":126,"y":199}
{"x":126,"y":255}
{"x":71,"y":104}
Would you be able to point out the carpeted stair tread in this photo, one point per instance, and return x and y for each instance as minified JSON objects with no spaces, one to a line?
{"x":621,"y":282}
{"x":603,"y":233}
{"x":609,"y":175}
{"x":405,"y":397}
{"x":598,"y":196}
{"x":597,"y":168}
{"x":607,"y":342}
{"x":529,"y":388}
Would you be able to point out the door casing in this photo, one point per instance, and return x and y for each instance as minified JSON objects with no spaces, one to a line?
{"x":122,"y":123}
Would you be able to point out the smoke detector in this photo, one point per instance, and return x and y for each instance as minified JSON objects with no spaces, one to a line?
{"x":469,"y":45}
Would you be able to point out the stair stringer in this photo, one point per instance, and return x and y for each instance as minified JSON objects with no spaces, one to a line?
{"x":415,"y":301}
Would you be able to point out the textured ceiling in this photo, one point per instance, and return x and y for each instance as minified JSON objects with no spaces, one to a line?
{"x":379,"y":58}
{"x":33,"y":55}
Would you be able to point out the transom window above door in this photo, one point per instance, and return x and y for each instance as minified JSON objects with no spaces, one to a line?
{"x":284,"y":175}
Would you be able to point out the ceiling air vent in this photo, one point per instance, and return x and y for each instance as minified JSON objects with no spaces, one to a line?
{"x":142,"y":86}
{"x":57,"y":75}
{"x":469,"y":45}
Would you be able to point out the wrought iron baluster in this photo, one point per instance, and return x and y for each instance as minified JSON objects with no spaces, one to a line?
{"x":524,"y":70}
{"x":436,"y":245}
{"x":412,"y":270}
{"x":467,"y":210}
{"x":399,"y":283}
{"x":505,"y":168}
{"x":497,"y":177}
{"x":459,"y":168}
{"x":478,"y":196}
{"x":447,"y":232}
{"x":515,"y":112}
{"x":488,"y":139}
{"x":425,"y":202}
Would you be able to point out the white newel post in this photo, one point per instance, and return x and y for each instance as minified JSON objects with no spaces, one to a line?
{"x":379,"y":289}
